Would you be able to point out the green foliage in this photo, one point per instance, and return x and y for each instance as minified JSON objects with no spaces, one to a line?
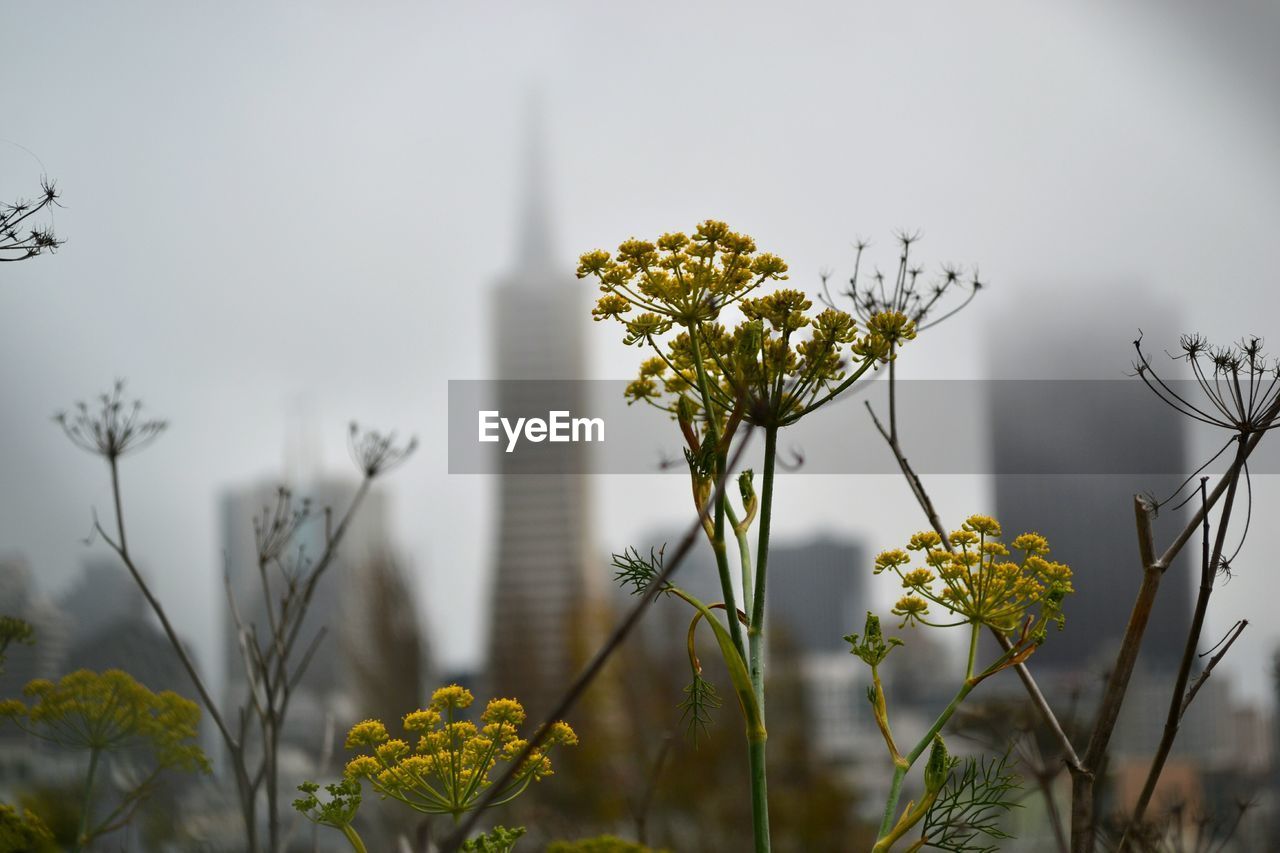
{"x":636,"y":572}
{"x":600,"y":844}
{"x":966,"y":816}
{"x":871,"y":646}
{"x":14,"y":630}
{"x":938,"y":769}
{"x":500,"y":839}
{"x":339,"y":811}
{"x":700,"y":700}
{"x":23,"y":832}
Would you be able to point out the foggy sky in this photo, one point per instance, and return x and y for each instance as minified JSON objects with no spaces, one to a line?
{"x":280,"y":209}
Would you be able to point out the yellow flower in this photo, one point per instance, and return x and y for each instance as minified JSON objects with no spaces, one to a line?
{"x":917,"y":578}
{"x":452,"y":764}
{"x":924,"y":541}
{"x":1032,"y":543}
{"x":891,"y":560}
{"x":420,"y":720}
{"x":504,"y":711}
{"x":561,"y":733}
{"x":111,"y":713}
{"x":391,"y":751}
{"x":452,"y":697}
{"x":911,"y":608}
{"x":982,"y":524}
{"x":363,"y":766}
{"x":367,"y":733}
{"x":981,"y":585}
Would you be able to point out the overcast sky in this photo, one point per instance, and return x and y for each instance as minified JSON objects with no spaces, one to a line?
{"x":294,"y":213}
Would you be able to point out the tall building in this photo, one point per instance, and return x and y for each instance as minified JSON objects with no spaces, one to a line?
{"x":818,"y":595}
{"x":21,"y":597}
{"x":111,"y":627}
{"x":1102,"y":439}
{"x":543,"y":594}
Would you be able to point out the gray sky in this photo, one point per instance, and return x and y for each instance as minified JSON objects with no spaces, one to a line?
{"x":274,"y":203}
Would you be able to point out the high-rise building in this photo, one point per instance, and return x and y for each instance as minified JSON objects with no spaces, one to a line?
{"x":543,"y":594}
{"x":20,"y":597}
{"x":111,"y":627}
{"x":1073,"y":441}
{"x":817,"y":593}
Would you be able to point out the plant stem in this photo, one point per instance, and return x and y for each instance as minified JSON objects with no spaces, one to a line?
{"x":1208,"y":571}
{"x":86,"y":800}
{"x":722,"y":462}
{"x":759,"y":795}
{"x":756,"y":638}
{"x":354,"y":837}
{"x":900,"y":768}
{"x":973,"y":650}
{"x":891,"y":804}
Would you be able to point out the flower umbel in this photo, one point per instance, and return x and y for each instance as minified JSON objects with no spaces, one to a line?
{"x":924,"y":304}
{"x":113,"y":427}
{"x":980,"y":580}
{"x":110,"y":711}
{"x":780,"y":361}
{"x":450,"y":765}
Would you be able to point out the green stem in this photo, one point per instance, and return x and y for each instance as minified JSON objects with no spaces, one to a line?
{"x":766,"y":516}
{"x":354,"y":838}
{"x":744,"y":556}
{"x":722,"y":461}
{"x":759,"y":795}
{"x":971,"y":681}
{"x":891,"y":805}
{"x":756,"y":637}
{"x":973,"y":650}
{"x":81,"y":838}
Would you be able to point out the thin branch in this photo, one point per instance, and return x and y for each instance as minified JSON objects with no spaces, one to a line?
{"x":1208,"y":571}
{"x":1232,"y":635}
{"x":121,"y":549}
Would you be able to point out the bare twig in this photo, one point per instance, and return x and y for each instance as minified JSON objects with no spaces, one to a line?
{"x":1226,"y":643}
{"x":114,"y":430}
{"x":1208,"y":571}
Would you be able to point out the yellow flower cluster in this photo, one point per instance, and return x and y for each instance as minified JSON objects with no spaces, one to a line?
{"x":669,"y":296}
{"x":110,"y":711}
{"x":680,"y":279}
{"x":979,"y":580}
{"x":452,"y":761}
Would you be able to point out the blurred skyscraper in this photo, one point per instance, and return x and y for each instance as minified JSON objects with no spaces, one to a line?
{"x":111,"y":627}
{"x":817,"y":595}
{"x":544,"y":598}
{"x":1115,"y":440}
{"x":20,"y":597}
